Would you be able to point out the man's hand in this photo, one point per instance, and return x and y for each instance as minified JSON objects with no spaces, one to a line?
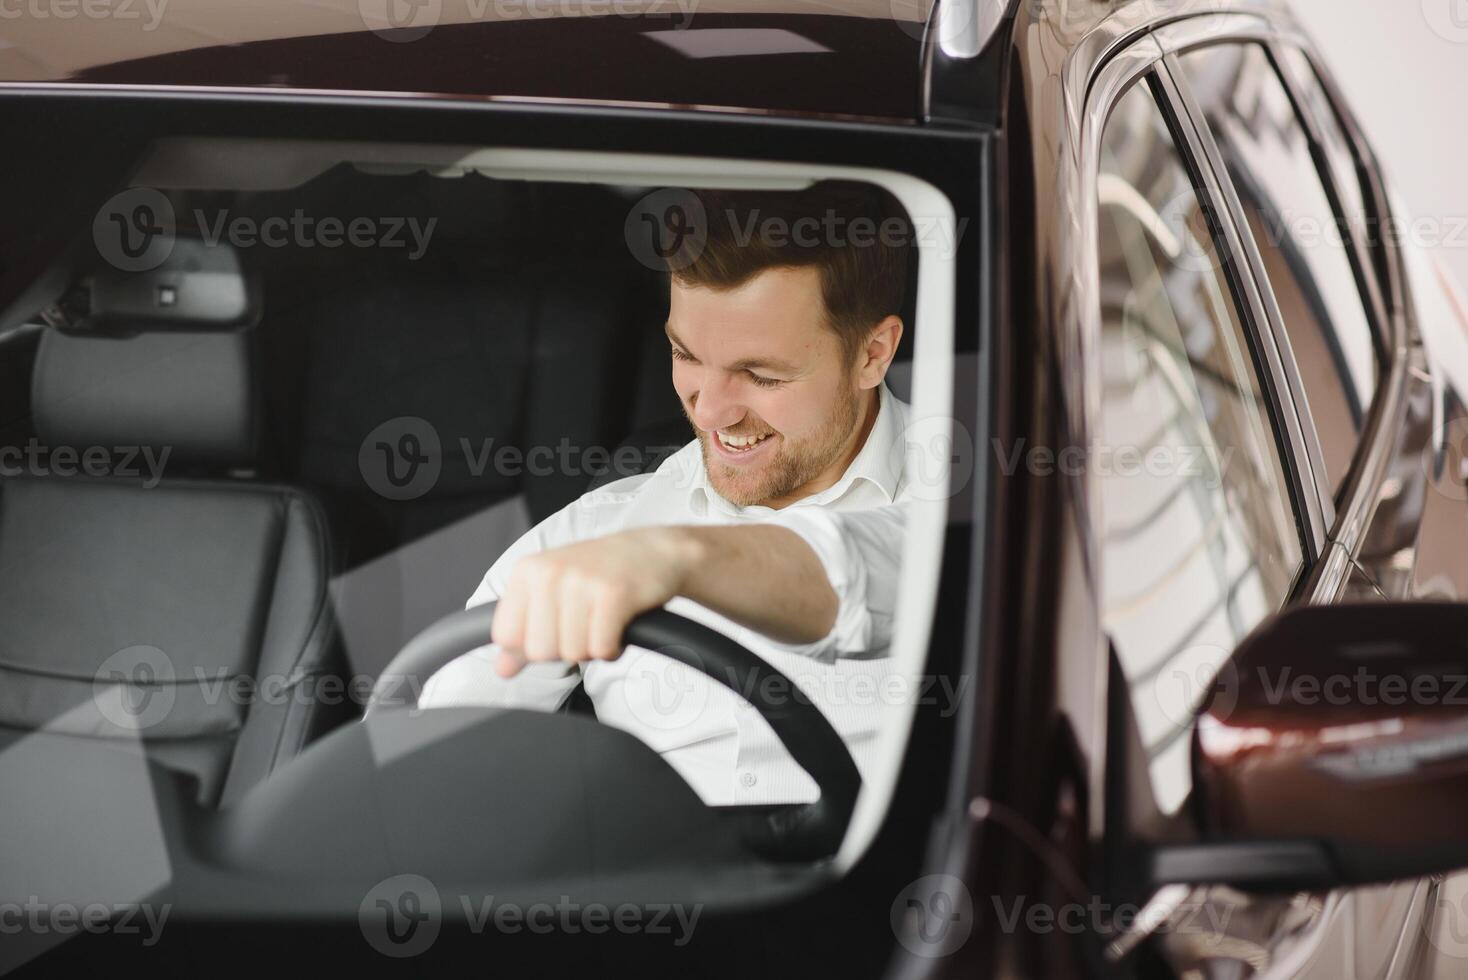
{"x":574,"y":603}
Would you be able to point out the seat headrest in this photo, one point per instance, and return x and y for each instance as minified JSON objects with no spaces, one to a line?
{"x":189,"y":393}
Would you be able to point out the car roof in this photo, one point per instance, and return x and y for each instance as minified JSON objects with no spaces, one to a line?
{"x":843,"y":58}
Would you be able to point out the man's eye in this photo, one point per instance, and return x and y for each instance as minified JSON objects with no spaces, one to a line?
{"x":762,"y":382}
{"x":679,"y":354}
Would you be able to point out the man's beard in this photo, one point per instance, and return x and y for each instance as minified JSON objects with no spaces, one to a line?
{"x":793,"y":465}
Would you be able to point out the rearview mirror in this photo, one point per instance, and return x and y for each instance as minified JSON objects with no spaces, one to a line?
{"x":1333,"y":749}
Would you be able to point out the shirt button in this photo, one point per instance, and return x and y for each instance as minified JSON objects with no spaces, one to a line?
{"x":748,"y":779}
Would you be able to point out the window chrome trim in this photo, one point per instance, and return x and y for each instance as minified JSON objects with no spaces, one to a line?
{"x":1285,"y":387}
{"x":966,"y":26}
{"x":1389,"y":406}
{"x":1203,"y":30}
{"x":1089,"y":96}
{"x":1115,"y":54}
{"x":1361,"y":264}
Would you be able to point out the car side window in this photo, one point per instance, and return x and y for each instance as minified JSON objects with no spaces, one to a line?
{"x":1199,"y":539}
{"x":1305,"y":249}
{"x":1335,"y":146}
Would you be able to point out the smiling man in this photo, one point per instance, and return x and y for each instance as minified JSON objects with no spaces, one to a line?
{"x":779,"y":525}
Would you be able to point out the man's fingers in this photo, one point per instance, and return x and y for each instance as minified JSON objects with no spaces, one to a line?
{"x":575,"y":607}
{"x":508,"y":627}
{"x":610,"y":615}
{"x":508,"y":663}
{"x":541,"y":627}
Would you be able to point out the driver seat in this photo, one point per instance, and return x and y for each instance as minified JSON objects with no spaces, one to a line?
{"x":183,"y":605}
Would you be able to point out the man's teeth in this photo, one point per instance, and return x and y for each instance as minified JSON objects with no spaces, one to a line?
{"x":742,"y":442}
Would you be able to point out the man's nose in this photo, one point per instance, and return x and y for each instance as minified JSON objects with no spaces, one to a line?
{"x":715,"y":405}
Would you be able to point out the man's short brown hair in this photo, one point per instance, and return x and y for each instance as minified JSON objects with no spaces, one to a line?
{"x":856,"y":235}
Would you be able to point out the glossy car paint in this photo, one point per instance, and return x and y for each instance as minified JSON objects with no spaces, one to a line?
{"x":1406,"y":475}
{"x":790,"y":57}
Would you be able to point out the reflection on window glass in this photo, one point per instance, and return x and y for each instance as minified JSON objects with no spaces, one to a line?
{"x":1303,"y":247}
{"x":1198,"y":538}
{"x":1337,"y":147}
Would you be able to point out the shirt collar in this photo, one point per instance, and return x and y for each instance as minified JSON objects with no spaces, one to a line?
{"x":879,"y":463}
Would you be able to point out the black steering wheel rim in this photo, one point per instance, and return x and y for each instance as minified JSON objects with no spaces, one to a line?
{"x":800,"y":832}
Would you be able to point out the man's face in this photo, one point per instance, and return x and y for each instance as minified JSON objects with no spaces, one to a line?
{"x":762,"y":378}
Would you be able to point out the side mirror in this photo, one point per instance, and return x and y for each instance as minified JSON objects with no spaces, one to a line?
{"x":1333,"y":750}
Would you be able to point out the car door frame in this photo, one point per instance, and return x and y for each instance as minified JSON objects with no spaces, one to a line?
{"x":1100,"y":68}
{"x":1347,"y":520}
{"x":1338,"y":525}
{"x":1334,"y":527}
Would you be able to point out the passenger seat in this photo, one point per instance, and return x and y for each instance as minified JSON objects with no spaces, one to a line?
{"x":147,"y":608}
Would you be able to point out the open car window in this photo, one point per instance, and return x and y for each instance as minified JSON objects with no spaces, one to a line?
{"x":288,"y":405}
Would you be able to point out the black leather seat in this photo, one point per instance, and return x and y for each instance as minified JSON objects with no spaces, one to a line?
{"x":111,"y":583}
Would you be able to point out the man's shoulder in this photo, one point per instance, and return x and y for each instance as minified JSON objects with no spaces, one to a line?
{"x":673,"y":472}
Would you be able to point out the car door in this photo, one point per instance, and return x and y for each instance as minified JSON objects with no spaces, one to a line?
{"x":1295,"y":348}
{"x":1273,"y":226}
{"x":1307,"y":203}
{"x":1207,"y":513}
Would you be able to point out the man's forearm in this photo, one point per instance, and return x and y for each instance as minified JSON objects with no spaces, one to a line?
{"x":574,"y":602}
{"x":761,"y":576}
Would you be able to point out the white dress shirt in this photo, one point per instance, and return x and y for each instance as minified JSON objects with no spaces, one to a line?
{"x":711,"y":736}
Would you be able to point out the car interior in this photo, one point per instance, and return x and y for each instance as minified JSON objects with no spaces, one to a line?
{"x":197,"y":477}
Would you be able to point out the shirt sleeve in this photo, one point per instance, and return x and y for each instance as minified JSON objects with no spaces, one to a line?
{"x":861,"y":552}
{"x":471,"y":679}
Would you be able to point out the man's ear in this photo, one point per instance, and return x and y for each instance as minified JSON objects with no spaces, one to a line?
{"x":876,"y":355}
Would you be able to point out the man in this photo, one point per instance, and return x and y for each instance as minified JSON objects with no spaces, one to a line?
{"x":780,"y":525}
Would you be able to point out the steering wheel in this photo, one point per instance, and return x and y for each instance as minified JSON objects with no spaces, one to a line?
{"x":799,"y":832}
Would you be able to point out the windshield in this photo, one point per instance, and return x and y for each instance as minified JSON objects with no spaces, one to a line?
{"x":348,"y":486}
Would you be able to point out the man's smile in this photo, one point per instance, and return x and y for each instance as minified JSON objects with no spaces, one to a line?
{"x":741,"y":449}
